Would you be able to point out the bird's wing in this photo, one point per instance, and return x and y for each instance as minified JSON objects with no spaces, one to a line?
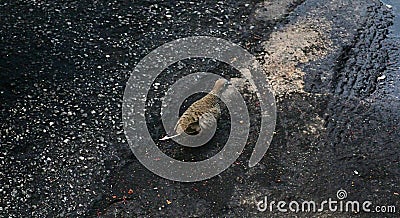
{"x":207,"y":121}
{"x":190,"y":127}
{"x":193,"y":128}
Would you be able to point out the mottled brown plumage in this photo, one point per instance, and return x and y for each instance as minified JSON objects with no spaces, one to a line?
{"x":202,"y":114}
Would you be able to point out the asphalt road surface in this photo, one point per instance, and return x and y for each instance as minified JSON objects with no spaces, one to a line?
{"x":333,"y":66}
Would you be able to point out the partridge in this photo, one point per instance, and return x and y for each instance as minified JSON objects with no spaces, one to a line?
{"x":202,"y":114}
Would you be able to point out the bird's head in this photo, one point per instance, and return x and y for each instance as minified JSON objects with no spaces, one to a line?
{"x":220,"y":85}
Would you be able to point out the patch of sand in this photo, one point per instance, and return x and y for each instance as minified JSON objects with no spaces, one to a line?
{"x":293,"y":45}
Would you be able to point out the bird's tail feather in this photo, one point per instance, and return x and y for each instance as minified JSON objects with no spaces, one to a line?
{"x":169,"y":137}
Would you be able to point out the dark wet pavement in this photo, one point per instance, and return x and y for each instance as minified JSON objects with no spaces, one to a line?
{"x":64,"y":66}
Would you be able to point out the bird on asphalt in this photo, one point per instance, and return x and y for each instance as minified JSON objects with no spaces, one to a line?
{"x":202,"y":114}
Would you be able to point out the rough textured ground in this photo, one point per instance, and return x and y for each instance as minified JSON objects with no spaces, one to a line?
{"x":333,"y":66}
